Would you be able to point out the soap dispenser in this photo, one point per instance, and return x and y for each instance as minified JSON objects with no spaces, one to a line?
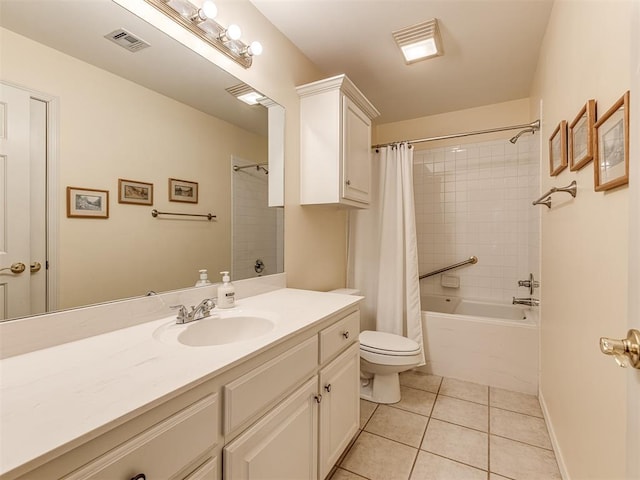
{"x":226,"y":292}
{"x":204,"y":279}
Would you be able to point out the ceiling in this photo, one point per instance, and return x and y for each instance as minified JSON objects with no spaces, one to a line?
{"x":491,"y":49}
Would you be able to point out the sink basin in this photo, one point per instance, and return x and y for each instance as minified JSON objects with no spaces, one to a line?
{"x":218,"y":329}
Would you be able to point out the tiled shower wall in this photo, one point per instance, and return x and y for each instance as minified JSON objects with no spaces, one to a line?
{"x":257,"y":228}
{"x":475,"y":199}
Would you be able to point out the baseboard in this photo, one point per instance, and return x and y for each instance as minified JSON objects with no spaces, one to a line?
{"x":554,"y":441}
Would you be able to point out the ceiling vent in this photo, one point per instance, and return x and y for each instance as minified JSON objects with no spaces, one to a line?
{"x":127,"y":40}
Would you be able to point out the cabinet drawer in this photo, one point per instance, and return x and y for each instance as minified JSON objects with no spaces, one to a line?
{"x":207,"y":471}
{"x":162,"y":450}
{"x":251,"y":393}
{"x":337,"y":337}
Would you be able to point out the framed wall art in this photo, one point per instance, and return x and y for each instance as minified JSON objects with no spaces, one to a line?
{"x":580,"y":136}
{"x":558,"y":149}
{"x":87,"y":203}
{"x":134,"y":192}
{"x":611,"y":152}
{"x":183,"y":191}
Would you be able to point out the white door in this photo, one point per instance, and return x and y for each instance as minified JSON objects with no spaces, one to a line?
{"x":14,"y":195}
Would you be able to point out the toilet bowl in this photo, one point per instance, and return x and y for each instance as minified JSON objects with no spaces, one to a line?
{"x":383,"y":356}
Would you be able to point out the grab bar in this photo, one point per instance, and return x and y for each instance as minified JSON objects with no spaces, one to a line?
{"x":208,"y":216}
{"x":545,"y":199}
{"x":473,"y":259}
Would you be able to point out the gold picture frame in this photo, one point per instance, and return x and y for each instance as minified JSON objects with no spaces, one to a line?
{"x":183,"y":191}
{"x":133,"y":192}
{"x":611,"y":147}
{"x":558,"y":149}
{"x":580,"y":136}
{"x":87,"y":203}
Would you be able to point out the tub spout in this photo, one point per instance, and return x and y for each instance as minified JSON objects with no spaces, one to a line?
{"x":531,"y":302}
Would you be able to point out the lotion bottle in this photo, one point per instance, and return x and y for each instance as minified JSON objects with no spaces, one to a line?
{"x":226,"y":292}
{"x":204,"y":279}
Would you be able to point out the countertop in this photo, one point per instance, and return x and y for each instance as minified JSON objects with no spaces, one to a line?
{"x":54,"y":399}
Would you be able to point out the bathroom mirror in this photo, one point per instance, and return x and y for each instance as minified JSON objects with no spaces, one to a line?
{"x":145,"y":115}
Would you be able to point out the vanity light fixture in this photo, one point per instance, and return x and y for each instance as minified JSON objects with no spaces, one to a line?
{"x":420,"y":41}
{"x":246,"y":94}
{"x":200,"y":21}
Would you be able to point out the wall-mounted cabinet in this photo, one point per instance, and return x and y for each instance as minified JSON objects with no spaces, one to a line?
{"x":335,"y":143}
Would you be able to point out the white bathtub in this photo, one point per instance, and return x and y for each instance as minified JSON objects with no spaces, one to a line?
{"x":487,"y":343}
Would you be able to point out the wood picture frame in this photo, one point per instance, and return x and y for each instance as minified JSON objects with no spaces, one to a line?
{"x":87,"y":203}
{"x":183,"y":191}
{"x":558,"y":149}
{"x":611,"y":146}
{"x":133,"y":192}
{"x":580,"y":136}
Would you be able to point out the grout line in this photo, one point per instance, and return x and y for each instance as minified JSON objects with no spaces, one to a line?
{"x":524,"y":443}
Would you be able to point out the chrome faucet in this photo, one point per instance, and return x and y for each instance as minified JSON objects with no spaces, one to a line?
{"x":530,"y":284}
{"x":531,"y":302}
{"x":196,"y":313}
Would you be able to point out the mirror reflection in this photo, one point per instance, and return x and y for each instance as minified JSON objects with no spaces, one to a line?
{"x":93,"y":113}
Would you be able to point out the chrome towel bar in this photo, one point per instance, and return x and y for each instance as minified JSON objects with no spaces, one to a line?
{"x":545,"y":199}
{"x":471,"y":260}
{"x":209,"y":216}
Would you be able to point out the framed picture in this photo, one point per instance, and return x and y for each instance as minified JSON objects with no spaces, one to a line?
{"x":183,"y":191}
{"x":581,"y":136}
{"x":135,"y":193}
{"x":558,"y":149}
{"x":611,"y":168}
{"x":87,"y":203}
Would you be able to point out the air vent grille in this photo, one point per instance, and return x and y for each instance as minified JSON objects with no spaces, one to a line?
{"x":127,"y":40}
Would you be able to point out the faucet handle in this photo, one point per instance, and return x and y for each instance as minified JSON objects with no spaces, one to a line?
{"x":182,"y":312}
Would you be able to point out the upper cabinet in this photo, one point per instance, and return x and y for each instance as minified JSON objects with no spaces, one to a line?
{"x":335,"y":143}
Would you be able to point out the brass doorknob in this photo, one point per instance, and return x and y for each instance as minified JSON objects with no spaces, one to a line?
{"x":626,"y":351}
{"x":35,"y":267}
{"x":16,"y":268}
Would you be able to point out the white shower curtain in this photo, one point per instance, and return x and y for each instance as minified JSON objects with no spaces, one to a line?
{"x":383,"y":250}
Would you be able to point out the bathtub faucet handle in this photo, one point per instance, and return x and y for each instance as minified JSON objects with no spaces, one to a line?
{"x":530,"y":284}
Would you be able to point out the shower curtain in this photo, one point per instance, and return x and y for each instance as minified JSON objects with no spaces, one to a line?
{"x":383,"y":250}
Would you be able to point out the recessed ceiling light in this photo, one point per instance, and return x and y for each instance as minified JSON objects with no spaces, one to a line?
{"x":420,"y":41}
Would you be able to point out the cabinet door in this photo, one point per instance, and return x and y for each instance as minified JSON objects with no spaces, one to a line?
{"x":340,"y":407}
{"x":356,"y":154}
{"x":281,"y":446}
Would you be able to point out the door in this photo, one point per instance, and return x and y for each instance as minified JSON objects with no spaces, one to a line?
{"x":24,"y":179}
{"x":356,"y":153}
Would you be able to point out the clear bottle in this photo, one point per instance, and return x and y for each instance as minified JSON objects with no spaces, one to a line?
{"x":226,"y":292}
{"x":204,"y":279}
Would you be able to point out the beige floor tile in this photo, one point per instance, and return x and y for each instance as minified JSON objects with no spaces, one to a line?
{"x":461,"y":412}
{"x":493,"y":476}
{"x":377,"y":458}
{"x":515,"y":401}
{"x":341,"y":474}
{"x":366,"y":410}
{"x":472,"y":392}
{"x":432,"y":467}
{"x":421,"y":381}
{"x":457,"y":443}
{"x":416,"y":401}
{"x":398,"y":425}
{"x":516,"y":426}
{"x":522,"y":462}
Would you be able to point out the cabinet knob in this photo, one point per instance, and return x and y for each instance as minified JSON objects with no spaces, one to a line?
{"x":140,"y":476}
{"x":348,"y":182}
{"x":318,"y":398}
{"x":345,"y":334}
{"x":327,"y":387}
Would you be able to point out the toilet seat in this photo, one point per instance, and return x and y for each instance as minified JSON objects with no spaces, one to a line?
{"x":383,"y":343}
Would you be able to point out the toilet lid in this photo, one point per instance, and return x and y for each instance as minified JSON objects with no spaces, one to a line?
{"x":387,"y":343}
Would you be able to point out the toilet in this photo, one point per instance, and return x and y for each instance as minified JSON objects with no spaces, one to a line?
{"x":383,"y":356}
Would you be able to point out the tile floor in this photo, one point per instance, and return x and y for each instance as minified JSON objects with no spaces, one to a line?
{"x":446,"y":429}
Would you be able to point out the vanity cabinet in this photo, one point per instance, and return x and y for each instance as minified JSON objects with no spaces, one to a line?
{"x":335,"y":143}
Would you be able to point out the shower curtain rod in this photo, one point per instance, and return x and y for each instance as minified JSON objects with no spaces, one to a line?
{"x":534,"y":125}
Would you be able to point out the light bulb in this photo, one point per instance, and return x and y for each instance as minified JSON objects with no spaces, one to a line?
{"x":255,"y":48}
{"x":209,"y":9}
{"x":233,"y":32}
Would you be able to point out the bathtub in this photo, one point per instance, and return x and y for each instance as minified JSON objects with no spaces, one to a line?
{"x":488,"y":343}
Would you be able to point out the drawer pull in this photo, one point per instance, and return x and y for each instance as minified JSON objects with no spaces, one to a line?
{"x":140,"y":476}
{"x":345,"y":334}
{"x":328,"y":388}
{"x":318,"y":398}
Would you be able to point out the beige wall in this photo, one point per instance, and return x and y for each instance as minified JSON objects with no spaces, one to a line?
{"x":105,"y":135}
{"x":585,"y":55}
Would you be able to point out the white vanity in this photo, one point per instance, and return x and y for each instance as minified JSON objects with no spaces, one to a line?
{"x":136,"y":403}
